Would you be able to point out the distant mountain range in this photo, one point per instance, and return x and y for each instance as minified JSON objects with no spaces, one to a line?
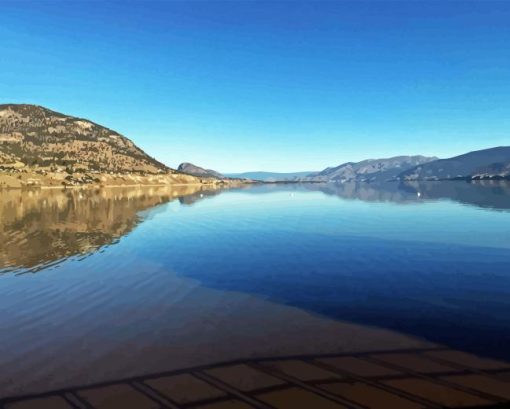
{"x":370,"y":170}
{"x":195,"y":170}
{"x":493,"y":163}
{"x":269,"y":176}
{"x":43,"y":147}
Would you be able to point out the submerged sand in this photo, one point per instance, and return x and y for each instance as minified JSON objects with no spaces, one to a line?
{"x":195,"y":326}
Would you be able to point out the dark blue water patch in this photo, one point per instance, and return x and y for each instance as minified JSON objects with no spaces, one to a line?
{"x":452,"y":294}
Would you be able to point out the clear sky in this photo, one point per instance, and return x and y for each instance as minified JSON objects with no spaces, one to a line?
{"x":280,"y":86}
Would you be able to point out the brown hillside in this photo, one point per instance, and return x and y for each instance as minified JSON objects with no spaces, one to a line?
{"x":34,"y":136}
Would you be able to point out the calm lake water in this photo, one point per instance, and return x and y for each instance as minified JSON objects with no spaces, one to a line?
{"x":430,"y":260}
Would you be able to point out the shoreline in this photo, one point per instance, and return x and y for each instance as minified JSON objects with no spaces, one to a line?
{"x":30,"y":180}
{"x":95,"y":186}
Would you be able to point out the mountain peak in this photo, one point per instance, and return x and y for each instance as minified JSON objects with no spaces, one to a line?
{"x":195,"y":170}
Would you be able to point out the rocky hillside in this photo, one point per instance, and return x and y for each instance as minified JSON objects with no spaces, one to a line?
{"x":482,"y":164}
{"x":37,"y":137}
{"x":370,"y":170}
{"x":194,"y":170}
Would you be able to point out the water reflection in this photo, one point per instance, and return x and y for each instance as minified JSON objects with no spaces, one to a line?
{"x":178,"y":288}
{"x":38,"y":227}
{"x":485,"y":194}
{"x":43,"y":226}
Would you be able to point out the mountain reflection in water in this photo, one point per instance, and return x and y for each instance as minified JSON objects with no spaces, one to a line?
{"x":40,"y":227}
{"x":485,"y":194}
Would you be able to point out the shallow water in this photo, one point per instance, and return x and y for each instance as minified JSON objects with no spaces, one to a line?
{"x":430,"y":260}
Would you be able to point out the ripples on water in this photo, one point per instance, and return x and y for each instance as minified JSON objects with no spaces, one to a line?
{"x":436,"y":265}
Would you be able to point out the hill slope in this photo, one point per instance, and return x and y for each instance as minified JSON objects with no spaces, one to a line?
{"x":369,"y":170}
{"x":486,"y":162}
{"x":493,"y":171}
{"x":34,"y":136}
{"x":43,"y":148}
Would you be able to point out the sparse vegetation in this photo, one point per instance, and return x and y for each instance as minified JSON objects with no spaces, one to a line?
{"x":39,"y":147}
{"x":38,"y":137}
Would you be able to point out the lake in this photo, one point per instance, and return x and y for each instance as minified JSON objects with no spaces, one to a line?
{"x":96,"y":278}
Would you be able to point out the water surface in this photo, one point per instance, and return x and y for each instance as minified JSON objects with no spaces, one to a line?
{"x":426,"y":259}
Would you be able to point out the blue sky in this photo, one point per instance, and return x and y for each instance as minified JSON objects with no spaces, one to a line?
{"x":281,"y":86}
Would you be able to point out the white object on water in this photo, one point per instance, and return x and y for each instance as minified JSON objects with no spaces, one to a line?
{"x":418,"y":194}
